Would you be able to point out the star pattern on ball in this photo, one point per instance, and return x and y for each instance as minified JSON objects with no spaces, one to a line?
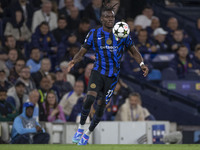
{"x":116,"y":32}
{"x":121,"y":24}
{"x":125,"y":32}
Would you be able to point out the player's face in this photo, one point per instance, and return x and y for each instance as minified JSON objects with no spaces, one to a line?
{"x":108,"y":19}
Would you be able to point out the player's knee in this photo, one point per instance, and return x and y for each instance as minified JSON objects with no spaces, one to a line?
{"x":89,"y":101}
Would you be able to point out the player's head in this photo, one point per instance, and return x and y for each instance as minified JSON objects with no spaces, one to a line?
{"x":108,"y":16}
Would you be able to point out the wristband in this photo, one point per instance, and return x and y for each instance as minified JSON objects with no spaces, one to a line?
{"x":141,"y":64}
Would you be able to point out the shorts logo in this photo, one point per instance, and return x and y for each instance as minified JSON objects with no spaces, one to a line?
{"x":93,"y":85}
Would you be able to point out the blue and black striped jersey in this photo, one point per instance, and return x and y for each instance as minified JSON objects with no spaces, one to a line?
{"x":108,"y":50}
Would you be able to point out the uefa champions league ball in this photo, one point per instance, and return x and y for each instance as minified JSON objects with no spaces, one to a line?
{"x":121,"y":30}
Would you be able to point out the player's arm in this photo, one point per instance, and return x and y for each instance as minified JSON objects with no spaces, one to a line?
{"x":77,"y":58}
{"x":137,"y":56}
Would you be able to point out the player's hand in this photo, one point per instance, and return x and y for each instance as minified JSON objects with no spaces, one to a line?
{"x":70,"y":65}
{"x":38,"y":128}
{"x":145,"y":69}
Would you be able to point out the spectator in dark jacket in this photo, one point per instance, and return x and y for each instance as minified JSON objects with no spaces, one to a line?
{"x":7,"y":110}
{"x":44,"y":40}
{"x":4,"y":83}
{"x":62,"y":29}
{"x":44,"y":70}
{"x":93,"y":11}
{"x":178,"y":39}
{"x":197,"y":57}
{"x":182,"y":63}
{"x":143,"y":44}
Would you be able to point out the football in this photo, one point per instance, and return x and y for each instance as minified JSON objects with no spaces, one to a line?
{"x":121,"y":30}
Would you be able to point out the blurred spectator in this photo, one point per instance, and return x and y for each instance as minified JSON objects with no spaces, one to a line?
{"x":44,"y":40}
{"x":26,"y":130}
{"x":67,"y":76}
{"x":155,"y":23}
{"x":197,"y":58}
{"x":3,"y":67}
{"x":34,"y":62}
{"x":73,"y":19}
{"x":147,"y":115}
{"x":52,"y":79}
{"x":143,"y":44}
{"x":12,"y":58}
{"x":25,"y":7}
{"x":70,"y":99}
{"x":178,"y":39}
{"x":53,"y":110}
{"x":10,"y":43}
{"x":66,"y":10}
{"x":45,"y":14}
{"x":44,"y":70}
{"x":45,"y":87}
{"x":133,"y":32}
{"x":131,"y":110}
{"x":131,"y":67}
{"x":62,"y":85}
{"x":64,"y":46}
{"x":15,"y":71}
{"x":62,"y":29}
{"x":160,"y":40}
{"x":18,"y":29}
{"x":182,"y":63}
{"x":85,"y":77}
{"x":196,"y":33}
{"x":144,"y":20}
{"x":25,"y":77}
{"x":7,"y":110}
{"x":73,"y":49}
{"x":34,"y":98}
{"x":173,"y":25}
{"x":17,"y":96}
{"x":93,"y":11}
{"x":4,"y":83}
{"x":120,"y":93}
{"x":82,"y":30}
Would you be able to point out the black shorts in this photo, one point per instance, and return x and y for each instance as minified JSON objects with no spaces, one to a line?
{"x":103,"y":85}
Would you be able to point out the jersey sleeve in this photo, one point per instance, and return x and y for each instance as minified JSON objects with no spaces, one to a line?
{"x":88,"y":40}
{"x":129,"y":42}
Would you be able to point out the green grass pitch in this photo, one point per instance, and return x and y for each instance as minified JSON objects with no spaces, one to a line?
{"x":100,"y":147}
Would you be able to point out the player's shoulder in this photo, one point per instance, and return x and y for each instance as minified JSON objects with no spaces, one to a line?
{"x":95,"y":29}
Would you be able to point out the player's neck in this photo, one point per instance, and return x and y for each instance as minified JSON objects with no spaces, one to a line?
{"x":107,"y":29}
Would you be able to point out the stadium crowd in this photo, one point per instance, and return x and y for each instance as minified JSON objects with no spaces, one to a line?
{"x":40,"y":37}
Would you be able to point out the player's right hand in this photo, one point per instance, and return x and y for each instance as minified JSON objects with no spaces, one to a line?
{"x":70,"y":65}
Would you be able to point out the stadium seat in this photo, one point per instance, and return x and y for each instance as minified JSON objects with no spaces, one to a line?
{"x":155,"y":75}
{"x":191,"y":75}
{"x":169,"y":74}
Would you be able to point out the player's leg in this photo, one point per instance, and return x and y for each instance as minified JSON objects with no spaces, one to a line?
{"x":95,"y":84}
{"x":109,"y":85}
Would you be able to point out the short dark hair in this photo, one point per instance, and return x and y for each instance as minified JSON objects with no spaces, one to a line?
{"x":85,"y":20}
{"x":3,"y":90}
{"x":18,"y":83}
{"x":62,"y":17}
{"x":44,"y":23}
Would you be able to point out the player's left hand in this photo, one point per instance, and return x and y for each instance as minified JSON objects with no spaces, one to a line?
{"x":145,"y":69}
